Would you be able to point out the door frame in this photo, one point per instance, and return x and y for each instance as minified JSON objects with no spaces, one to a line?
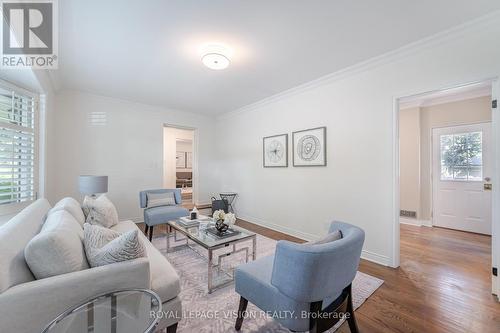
{"x":432,"y":160}
{"x":495,"y":129}
{"x":195,"y":157}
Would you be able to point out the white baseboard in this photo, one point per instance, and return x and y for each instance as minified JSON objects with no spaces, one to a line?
{"x":376,"y":258}
{"x":426,"y":223}
{"x":367,"y":255}
{"x":134,"y":219}
{"x":289,"y":231}
{"x":415,"y":222}
{"x":203,"y":203}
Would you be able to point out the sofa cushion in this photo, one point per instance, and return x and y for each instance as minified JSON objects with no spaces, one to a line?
{"x":160,"y":199}
{"x":160,"y":215}
{"x":104,"y":246}
{"x":71,"y":206}
{"x":100,"y":211}
{"x":14,"y":235}
{"x":58,"y":248}
{"x":164,"y":279}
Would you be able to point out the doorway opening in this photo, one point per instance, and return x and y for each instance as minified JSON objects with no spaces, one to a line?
{"x":179,"y":167}
{"x":446,"y":159}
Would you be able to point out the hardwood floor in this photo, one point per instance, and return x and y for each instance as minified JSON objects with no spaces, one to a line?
{"x":442,"y":285}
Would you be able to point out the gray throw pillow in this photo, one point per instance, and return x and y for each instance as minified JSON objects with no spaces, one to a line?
{"x":105,"y":246}
{"x":58,"y":248}
{"x":333,"y":236}
{"x":160,"y":199}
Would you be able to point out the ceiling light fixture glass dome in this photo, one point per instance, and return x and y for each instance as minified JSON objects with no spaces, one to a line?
{"x":215,"y":61}
{"x":215,"y":56}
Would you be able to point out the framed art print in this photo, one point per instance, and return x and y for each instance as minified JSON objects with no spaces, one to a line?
{"x":309,"y":147}
{"x":275,"y":151}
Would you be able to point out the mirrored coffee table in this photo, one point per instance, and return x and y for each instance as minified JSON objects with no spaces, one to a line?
{"x":120,"y":311}
{"x":200,"y":236}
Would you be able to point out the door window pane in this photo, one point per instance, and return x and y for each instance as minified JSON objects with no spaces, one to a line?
{"x":461,"y":156}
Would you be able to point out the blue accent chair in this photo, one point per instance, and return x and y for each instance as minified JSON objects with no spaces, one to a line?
{"x":161,"y":214}
{"x":306,"y":279}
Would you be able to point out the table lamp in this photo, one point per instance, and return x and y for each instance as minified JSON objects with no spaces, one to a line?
{"x":93,"y":185}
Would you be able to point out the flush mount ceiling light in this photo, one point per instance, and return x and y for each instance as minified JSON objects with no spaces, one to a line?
{"x":215,"y":56}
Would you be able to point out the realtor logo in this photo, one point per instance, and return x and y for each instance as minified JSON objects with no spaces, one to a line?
{"x":29,"y":34}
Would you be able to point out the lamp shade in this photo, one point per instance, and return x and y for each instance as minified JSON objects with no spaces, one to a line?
{"x":93,"y":184}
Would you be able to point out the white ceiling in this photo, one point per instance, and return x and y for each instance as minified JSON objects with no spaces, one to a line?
{"x":147,"y":51}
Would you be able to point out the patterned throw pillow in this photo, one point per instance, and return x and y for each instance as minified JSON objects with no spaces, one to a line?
{"x":100,"y":211}
{"x":160,"y":199}
{"x":105,"y":246}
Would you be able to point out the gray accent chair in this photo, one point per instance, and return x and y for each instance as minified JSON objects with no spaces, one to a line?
{"x":162,"y":214}
{"x":304,"y":278}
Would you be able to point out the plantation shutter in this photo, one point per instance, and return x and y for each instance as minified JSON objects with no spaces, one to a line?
{"x":17,"y":145}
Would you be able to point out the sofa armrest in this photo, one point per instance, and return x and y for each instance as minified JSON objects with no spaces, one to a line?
{"x":30,"y":306}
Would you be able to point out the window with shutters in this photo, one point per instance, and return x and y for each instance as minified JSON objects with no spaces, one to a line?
{"x":18,"y":111}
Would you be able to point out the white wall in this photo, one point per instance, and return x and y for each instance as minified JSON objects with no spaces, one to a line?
{"x":409,"y":156}
{"x":129,"y":148}
{"x":357,"y":106}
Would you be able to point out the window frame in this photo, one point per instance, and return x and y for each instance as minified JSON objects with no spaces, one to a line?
{"x":468,"y":166}
{"x":15,"y":207}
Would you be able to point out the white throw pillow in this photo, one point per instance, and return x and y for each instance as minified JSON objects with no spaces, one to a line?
{"x":160,"y":199}
{"x":58,"y":248}
{"x":105,"y":246}
{"x":100,"y":211}
{"x":72,"y":206}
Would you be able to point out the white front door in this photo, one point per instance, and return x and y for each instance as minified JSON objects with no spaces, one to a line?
{"x":462,"y":167}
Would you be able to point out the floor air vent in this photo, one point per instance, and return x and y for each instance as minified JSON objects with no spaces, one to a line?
{"x":408,"y":213}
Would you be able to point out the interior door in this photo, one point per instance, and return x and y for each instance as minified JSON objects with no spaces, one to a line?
{"x":462,"y":166}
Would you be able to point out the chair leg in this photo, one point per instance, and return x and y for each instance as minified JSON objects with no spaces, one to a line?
{"x":151,"y":233}
{"x":146,"y":229}
{"x":353,"y":326}
{"x":314,"y":310}
{"x":172,"y":328}
{"x":241,"y":313}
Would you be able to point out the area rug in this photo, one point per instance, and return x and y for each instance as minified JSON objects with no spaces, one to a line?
{"x":216,"y":312}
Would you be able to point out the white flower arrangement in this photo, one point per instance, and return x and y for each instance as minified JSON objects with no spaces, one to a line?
{"x":219,"y":215}
{"x":228,"y":218}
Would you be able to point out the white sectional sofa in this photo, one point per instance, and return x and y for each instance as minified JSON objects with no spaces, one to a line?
{"x":27,"y":304}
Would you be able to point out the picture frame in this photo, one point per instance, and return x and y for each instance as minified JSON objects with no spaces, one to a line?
{"x":275,"y":151}
{"x":309,"y":147}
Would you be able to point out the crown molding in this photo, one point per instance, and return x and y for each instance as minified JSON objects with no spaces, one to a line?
{"x":378,"y":61}
{"x":426,"y":102}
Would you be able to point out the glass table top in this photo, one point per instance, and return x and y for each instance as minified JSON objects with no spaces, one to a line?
{"x":200,"y":235}
{"x":120,"y":311}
